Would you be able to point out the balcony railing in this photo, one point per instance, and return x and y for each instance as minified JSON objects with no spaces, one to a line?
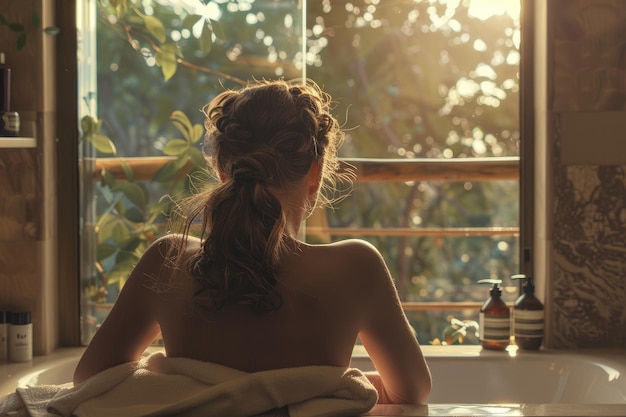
{"x":375,"y":170}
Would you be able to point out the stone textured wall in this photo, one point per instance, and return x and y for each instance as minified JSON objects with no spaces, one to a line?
{"x":587,"y":140}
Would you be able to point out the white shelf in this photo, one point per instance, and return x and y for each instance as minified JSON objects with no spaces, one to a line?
{"x":17,"y":142}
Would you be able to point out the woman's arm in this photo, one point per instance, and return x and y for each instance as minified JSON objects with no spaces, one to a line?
{"x":131,"y":325}
{"x":403,"y":375}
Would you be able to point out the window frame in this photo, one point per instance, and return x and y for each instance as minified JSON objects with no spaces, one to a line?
{"x":68,"y":175}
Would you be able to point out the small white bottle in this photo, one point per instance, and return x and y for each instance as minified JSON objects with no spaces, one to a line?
{"x":4,"y":335}
{"x":20,"y":337}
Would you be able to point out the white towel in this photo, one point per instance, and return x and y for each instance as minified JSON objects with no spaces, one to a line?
{"x":157,"y":385}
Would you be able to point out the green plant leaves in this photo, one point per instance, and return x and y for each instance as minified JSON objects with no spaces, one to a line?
{"x":218,"y":29}
{"x":154,"y":26}
{"x":172,"y":169}
{"x":166,"y":58}
{"x":90,"y":127}
{"x":103,"y":144}
{"x":206,"y":40}
{"x":131,"y":191}
{"x":191,"y":20}
{"x":176,"y":147}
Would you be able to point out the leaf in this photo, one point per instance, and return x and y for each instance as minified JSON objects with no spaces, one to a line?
{"x":36,"y":19}
{"x":21,"y":41}
{"x":104,"y":251}
{"x":107,"y":178}
{"x":218,"y":29}
{"x":182,"y":118}
{"x":120,"y":6}
{"x":119,"y":232}
{"x":206,"y":40}
{"x":176,"y":147}
{"x":197,"y":133}
{"x":168,"y":65}
{"x":170,"y":170}
{"x":103,"y":144}
{"x":134,"y":215}
{"x":191,"y":20}
{"x":88,"y":125}
{"x":166,"y":59}
{"x":197,"y":158}
{"x":106,"y":223}
{"x":166,"y":173}
{"x":182,"y":129}
{"x":132,"y":191}
{"x":128,"y":171}
{"x":16,"y":27}
{"x":155,"y":27}
{"x":3,"y":21}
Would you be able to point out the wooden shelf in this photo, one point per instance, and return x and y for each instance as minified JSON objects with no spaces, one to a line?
{"x":17,"y":142}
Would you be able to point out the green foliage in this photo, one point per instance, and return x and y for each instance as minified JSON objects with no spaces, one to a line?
{"x":412,"y":79}
{"x":459,"y":332}
{"x":90,"y":133}
{"x":129,"y":221}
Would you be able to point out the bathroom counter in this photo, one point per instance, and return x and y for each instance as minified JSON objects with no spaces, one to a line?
{"x":502,"y":410}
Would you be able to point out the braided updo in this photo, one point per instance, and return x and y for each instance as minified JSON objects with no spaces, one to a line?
{"x":265,"y":135}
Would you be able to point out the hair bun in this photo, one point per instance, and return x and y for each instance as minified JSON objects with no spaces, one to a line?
{"x":234,"y":131}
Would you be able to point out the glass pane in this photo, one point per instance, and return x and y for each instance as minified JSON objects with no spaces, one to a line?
{"x":412,"y":79}
{"x":427,"y":79}
{"x":158,"y":63}
{"x":434,"y":79}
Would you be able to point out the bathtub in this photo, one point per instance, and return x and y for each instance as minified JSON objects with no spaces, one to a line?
{"x":466,"y":381}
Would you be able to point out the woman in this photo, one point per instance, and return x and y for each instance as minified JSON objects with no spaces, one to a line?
{"x":248,"y":293}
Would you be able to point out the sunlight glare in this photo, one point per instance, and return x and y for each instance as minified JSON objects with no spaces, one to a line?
{"x":484,"y":9}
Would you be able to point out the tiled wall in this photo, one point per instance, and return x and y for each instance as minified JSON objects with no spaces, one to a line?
{"x":587,"y":144}
{"x":27,"y":176}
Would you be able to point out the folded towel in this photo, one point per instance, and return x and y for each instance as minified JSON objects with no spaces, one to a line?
{"x":157,"y":385}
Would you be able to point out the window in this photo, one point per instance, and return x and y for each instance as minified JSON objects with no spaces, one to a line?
{"x":429,"y":95}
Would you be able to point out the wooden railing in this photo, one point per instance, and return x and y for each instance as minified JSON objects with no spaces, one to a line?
{"x":376,"y":170}
{"x":367,"y":170}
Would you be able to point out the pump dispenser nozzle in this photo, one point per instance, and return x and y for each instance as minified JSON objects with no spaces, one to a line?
{"x":495,"y":285}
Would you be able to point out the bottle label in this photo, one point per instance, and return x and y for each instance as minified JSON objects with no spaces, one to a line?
{"x":20,"y":343}
{"x":494,"y":328}
{"x":528,"y":323}
{"x":9,"y":124}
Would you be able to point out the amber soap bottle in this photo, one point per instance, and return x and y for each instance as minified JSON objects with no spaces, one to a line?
{"x":494,"y":319}
{"x":528,"y":321}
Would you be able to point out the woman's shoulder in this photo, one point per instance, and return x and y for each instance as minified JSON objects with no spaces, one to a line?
{"x":355,"y":255}
{"x":165,"y":257}
{"x":355,"y":248}
{"x":171,"y":246}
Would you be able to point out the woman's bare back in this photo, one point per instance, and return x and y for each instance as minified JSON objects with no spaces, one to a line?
{"x":317,"y":323}
{"x":331,"y":294}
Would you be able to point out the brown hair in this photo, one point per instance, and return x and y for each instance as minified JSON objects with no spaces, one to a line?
{"x":265,"y":135}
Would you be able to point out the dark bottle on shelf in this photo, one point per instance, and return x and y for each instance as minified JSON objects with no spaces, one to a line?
{"x":528,"y":316}
{"x":9,"y":120}
{"x":494,"y":319}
